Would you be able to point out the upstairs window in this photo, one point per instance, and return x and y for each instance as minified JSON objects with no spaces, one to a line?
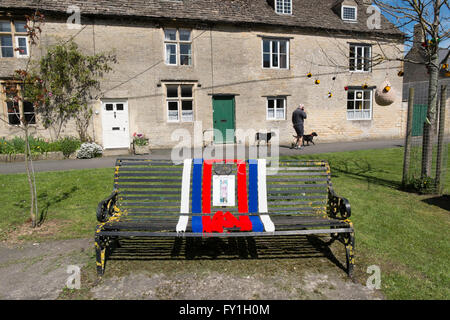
{"x":275,"y":54}
{"x":349,"y":13}
{"x":360,"y":58}
{"x":180,"y":102}
{"x":13,"y":39}
{"x":283,"y":6}
{"x":178,"y":47}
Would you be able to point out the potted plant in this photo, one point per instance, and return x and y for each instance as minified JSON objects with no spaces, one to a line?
{"x":140,"y":144}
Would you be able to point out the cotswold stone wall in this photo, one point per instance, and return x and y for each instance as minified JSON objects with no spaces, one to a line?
{"x":228,"y":60}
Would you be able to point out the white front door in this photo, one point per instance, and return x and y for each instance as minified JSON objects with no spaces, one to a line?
{"x":115,"y":124}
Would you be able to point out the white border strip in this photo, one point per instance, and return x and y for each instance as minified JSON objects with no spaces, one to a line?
{"x":262,"y":196}
{"x":185,"y":192}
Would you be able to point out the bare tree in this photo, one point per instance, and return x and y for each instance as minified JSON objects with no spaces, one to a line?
{"x":429,"y":15}
{"x":18,"y":91}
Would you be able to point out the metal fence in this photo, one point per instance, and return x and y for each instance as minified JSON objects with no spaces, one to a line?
{"x":418,"y":118}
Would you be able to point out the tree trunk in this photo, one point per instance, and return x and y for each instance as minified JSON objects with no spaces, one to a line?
{"x":430,"y":124}
{"x":30,"y":180}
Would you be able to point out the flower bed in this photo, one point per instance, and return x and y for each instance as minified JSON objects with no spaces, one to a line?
{"x":14,"y":149}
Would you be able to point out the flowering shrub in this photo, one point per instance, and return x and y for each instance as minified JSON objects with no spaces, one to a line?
{"x":89,"y":150}
{"x":139,"y":139}
{"x":424,"y":185}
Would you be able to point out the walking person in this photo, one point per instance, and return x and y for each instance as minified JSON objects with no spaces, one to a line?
{"x":298,"y":117}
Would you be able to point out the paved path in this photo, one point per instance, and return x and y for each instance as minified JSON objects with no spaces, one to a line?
{"x":108,"y":161}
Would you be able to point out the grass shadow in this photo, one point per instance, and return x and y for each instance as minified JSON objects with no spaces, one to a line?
{"x":261,"y":248}
{"x":50,"y":201}
{"x":442,"y":202}
{"x":362,"y":169}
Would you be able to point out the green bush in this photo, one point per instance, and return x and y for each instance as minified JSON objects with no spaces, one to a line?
{"x":69,"y":145}
{"x":39,"y":146}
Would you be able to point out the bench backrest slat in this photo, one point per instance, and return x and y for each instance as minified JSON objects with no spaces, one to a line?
{"x":152,"y":188}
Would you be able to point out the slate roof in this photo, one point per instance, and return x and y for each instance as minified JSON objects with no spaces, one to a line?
{"x":317,"y":14}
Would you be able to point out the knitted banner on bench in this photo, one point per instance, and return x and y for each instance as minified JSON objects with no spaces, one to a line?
{"x":252,"y":198}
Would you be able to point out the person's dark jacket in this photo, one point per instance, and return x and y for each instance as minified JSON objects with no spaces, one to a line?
{"x":298,"y":116}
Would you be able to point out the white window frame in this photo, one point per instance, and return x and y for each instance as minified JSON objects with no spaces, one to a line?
{"x":179,"y":100}
{"x":351,"y":7}
{"x":271,"y":41}
{"x":18,"y":54}
{"x":364,"y":47}
{"x":177,"y":43}
{"x":14,"y":39}
{"x":275,"y":99}
{"x":284,"y":6}
{"x":362,"y":100}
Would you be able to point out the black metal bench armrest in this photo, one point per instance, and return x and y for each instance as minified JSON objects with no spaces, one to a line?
{"x":338,"y":205}
{"x":105,"y":208}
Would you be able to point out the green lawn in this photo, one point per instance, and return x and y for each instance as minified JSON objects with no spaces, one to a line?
{"x":401,"y":232}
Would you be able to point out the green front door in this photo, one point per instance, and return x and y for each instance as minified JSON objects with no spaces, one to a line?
{"x":223,"y":119}
{"x":419,"y":117}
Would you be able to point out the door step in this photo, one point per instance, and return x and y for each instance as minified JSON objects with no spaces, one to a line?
{"x":116,"y":152}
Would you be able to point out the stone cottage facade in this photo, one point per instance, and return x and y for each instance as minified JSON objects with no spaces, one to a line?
{"x":239,"y":65}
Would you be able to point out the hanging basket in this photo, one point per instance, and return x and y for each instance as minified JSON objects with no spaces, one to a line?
{"x":385,"y":94}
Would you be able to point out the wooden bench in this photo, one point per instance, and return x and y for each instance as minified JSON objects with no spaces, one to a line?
{"x":156,"y":198}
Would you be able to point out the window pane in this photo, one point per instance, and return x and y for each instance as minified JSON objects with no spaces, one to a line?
{"x":7,"y":47}
{"x":13,"y":113}
{"x":351,"y":95}
{"x":170,"y":35}
{"x":352,"y":64}
{"x":280,"y":109}
{"x":274,"y":60}
{"x":187,"y":113}
{"x":119,"y":107}
{"x":28,"y":107}
{"x":5,"y":26}
{"x":266,"y":46}
{"x":185,"y":54}
{"x":280,"y":103}
{"x":283,"y":47}
{"x":283,"y":61}
{"x":358,"y":105}
{"x":350,"y":105}
{"x":28,"y":110}
{"x":172,"y":91}
{"x":287,"y":6}
{"x":349,"y":13}
{"x":350,"y":115}
{"x":266,"y":60}
{"x":270,"y":109}
{"x":185,"y":35}
{"x":109,"y":107}
{"x":186,"y":91}
{"x":22,"y":45}
{"x":367,"y":105}
{"x":352,"y":51}
{"x":20,"y":26}
{"x":274,"y":46}
{"x":173,"y":110}
{"x":367,"y":95}
{"x":171,"y":53}
{"x":30,"y":118}
{"x":359,"y":95}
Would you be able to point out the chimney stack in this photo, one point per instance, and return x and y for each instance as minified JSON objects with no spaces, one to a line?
{"x":419,"y":36}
